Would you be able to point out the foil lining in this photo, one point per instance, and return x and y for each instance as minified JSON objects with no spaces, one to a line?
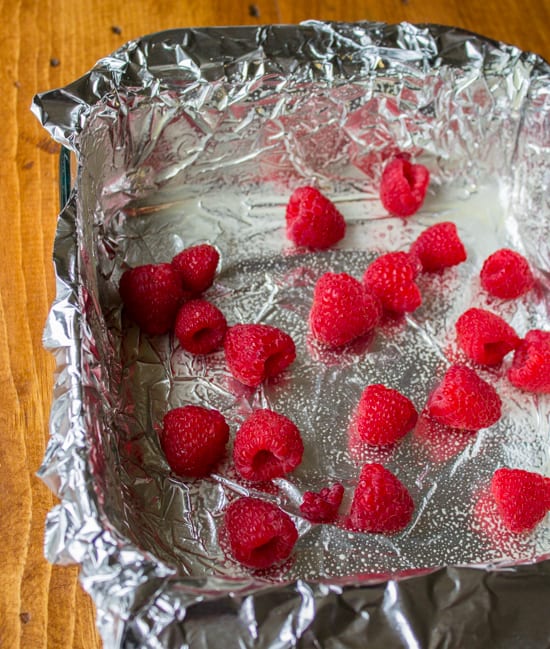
{"x":201,"y":134}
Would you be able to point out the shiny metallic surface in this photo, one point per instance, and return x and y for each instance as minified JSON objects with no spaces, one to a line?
{"x":201,"y":135}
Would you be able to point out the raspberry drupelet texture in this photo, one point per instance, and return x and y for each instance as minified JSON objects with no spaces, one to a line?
{"x":485,"y":337}
{"x":342,"y":310}
{"x":463,"y":400}
{"x":522,"y":497}
{"x":312,"y":220}
{"x":391,"y":279}
{"x":530,"y":368}
{"x":506,"y":274}
{"x":152,"y":295}
{"x":384,"y":415}
{"x":260,"y":534}
{"x":193,"y":440}
{"x":255,"y":352}
{"x":322,"y":507}
{"x":403,"y":186}
{"x":197,"y":267}
{"x":381,"y":503}
{"x":438,"y":247}
{"x":268,"y":445}
{"x":200,"y":327}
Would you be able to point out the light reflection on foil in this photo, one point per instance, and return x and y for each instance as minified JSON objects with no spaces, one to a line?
{"x":201,"y":135}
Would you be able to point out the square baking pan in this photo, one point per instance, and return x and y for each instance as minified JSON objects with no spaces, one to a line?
{"x":201,"y":135}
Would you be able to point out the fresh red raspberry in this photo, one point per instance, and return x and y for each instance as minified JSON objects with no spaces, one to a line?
{"x":522,"y":498}
{"x":193,"y":440}
{"x":342,"y":310}
{"x":506,"y":274}
{"x":531,"y":363}
{"x":267,"y":445}
{"x":152,"y":295}
{"x":312,"y":220}
{"x":463,"y":400}
{"x":200,"y":327}
{"x":322,"y":507}
{"x":197,"y":267}
{"x":260,"y":534}
{"x":391,"y":279}
{"x":254,"y":352}
{"x":383,"y":415}
{"x":381,"y":503}
{"x":439,"y":247}
{"x":485,"y":337}
{"x":403,"y":186}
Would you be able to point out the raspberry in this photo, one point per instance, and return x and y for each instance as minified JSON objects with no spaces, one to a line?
{"x":465,"y":401}
{"x":267,"y":445}
{"x":381,"y":503}
{"x":342,"y":310}
{"x":384,"y":415}
{"x":403,"y":187}
{"x":193,"y":440}
{"x":260,"y":534}
{"x":391,"y":279}
{"x":254,"y":352}
{"x":531,"y":363}
{"x":152,"y":295}
{"x":439,"y":247}
{"x":322,"y":507}
{"x":200,"y":327}
{"x":522,"y":498}
{"x":485,"y":337}
{"x":197,"y":267}
{"x":506,"y":274}
{"x":312,"y":220}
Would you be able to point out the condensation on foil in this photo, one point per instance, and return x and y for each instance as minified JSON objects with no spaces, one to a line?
{"x":177,"y":175}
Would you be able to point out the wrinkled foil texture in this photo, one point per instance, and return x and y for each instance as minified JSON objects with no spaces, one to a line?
{"x":201,"y":135}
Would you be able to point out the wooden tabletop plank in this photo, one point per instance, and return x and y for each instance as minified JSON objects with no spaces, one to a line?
{"x":49,"y":44}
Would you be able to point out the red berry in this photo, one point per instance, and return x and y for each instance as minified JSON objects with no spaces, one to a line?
{"x":342,"y":310}
{"x":267,"y":445}
{"x":322,"y":507}
{"x":485,"y":337}
{"x":200,"y":327}
{"x":193,"y":440}
{"x":197,"y":267}
{"x":254,"y":352}
{"x":381,"y":503}
{"x":384,"y":415}
{"x":403,"y":187}
{"x":312,"y":220}
{"x":522,"y":498}
{"x":391,"y":279}
{"x":439,"y":247}
{"x":531,"y":363}
{"x":506,"y":274}
{"x":260,"y":534}
{"x":463,"y":400}
{"x":152,"y":295}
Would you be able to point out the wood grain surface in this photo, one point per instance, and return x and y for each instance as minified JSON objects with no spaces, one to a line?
{"x":48,"y":44}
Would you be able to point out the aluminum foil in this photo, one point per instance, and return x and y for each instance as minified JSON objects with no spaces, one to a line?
{"x":201,"y":135}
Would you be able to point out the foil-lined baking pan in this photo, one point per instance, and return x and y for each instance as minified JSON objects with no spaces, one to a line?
{"x":201,"y":135}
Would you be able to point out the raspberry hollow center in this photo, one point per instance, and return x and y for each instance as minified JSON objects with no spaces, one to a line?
{"x":202,"y":335}
{"x":269,"y":547}
{"x":275,"y":363}
{"x":265,"y":460}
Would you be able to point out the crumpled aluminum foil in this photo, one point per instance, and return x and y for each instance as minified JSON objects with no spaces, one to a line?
{"x":201,"y":134}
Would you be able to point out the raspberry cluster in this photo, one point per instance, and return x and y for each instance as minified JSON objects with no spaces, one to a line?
{"x":267,"y":446}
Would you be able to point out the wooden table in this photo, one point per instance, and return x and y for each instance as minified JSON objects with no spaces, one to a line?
{"x":48,"y":44}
